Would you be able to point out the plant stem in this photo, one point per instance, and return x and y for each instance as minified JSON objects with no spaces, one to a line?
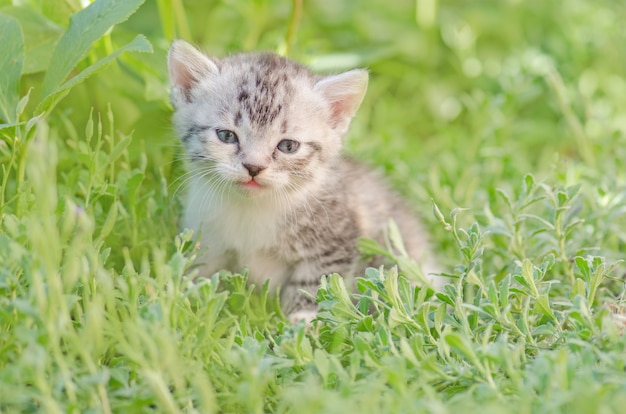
{"x":294,"y":21}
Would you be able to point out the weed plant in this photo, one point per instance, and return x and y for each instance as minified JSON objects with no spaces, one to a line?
{"x":502,"y":122}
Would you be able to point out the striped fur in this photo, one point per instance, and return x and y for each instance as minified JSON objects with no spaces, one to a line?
{"x":304,"y":212}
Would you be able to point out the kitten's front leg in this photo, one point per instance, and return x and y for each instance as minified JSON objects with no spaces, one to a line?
{"x":213,"y":261}
{"x":299,"y":305}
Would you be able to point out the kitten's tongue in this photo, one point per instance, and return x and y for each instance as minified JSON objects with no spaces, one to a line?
{"x":251,"y":184}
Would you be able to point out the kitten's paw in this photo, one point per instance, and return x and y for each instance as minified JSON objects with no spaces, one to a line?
{"x":302,"y":315}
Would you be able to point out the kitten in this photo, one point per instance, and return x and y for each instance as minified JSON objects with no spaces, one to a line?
{"x":268,"y":188}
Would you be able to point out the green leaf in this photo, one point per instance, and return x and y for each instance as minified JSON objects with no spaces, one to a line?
{"x":86,"y":26}
{"x":440,"y":317}
{"x":504,"y":291}
{"x":463,"y":346}
{"x":322,"y":364}
{"x":527,"y":274}
{"x":109,"y":222}
{"x":119,"y":148}
{"x":578,"y":289}
{"x":445,"y":298}
{"x":528,"y":184}
{"x":138,"y":44}
{"x":583,"y":267}
{"x":493,"y":294}
{"x":370,"y":247}
{"x":543,"y":306}
{"x":545,"y":222}
{"x":11,"y":62}
{"x":573,"y":190}
{"x":40,"y":37}
{"x":505,"y":197}
{"x":596,"y":280}
{"x":396,"y":238}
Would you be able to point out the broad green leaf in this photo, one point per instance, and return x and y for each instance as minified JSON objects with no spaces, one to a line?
{"x":61,"y":11}
{"x":11,"y":62}
{"x":139,"y":44}
{"x":40,"y":37}
{"x":86,"y":26}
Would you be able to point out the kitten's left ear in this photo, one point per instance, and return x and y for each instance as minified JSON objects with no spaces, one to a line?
{"x":344,"y":93}
{"x":187,"y":66}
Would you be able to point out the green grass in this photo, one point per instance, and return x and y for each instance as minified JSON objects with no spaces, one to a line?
{"x":502,"y":122}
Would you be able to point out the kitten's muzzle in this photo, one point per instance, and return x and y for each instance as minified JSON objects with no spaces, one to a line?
{"x":254,"y":170}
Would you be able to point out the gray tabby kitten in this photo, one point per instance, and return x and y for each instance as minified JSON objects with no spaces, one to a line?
{"x":268,"y":187}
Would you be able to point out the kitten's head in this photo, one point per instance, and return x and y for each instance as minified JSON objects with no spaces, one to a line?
{"x":260,"y":124}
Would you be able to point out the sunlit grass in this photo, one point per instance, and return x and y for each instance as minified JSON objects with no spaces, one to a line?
{"x":501,"y":122}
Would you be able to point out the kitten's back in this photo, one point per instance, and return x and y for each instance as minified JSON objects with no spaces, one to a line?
{"x":374,"y":203}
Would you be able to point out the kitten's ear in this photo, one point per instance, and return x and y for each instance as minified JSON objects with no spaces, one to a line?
{"x":344,"y":93}
{"x":187,"y":65}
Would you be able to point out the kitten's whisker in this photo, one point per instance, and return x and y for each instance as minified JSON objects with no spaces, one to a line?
{"x":283,"y":202}
{"x":218,"y":185}
{"x":193,"y":174}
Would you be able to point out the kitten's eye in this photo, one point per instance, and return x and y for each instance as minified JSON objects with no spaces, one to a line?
{"x":288,"y":146}
{"x":226,"y":136}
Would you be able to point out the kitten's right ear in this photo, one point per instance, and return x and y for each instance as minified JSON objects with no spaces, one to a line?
{"x":187,"y":65}
{"x":344,"y":93}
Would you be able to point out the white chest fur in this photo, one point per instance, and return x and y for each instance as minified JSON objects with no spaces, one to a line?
{"x":245,"y":231}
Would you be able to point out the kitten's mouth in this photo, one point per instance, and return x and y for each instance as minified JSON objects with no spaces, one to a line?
{"x":251,"y":184}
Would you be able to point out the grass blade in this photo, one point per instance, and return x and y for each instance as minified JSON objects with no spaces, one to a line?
{"x":11,"y":62}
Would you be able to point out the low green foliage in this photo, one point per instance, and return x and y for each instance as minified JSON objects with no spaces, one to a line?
{"x":503,"y":118}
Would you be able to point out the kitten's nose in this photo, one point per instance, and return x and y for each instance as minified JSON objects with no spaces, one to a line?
{"x":254,"y":170}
